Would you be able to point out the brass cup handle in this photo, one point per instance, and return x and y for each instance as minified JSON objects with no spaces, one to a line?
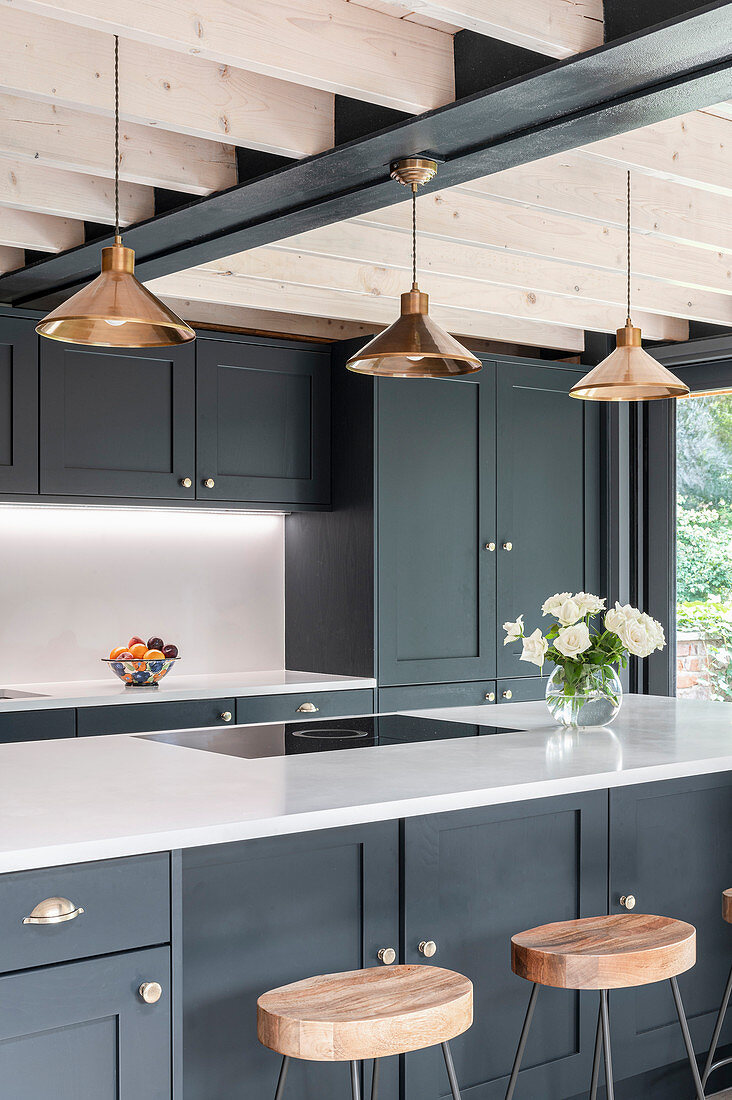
{"x":508,"y":546}
{"x":150,"y":992}
{"x":490,"y":546}
{"x":387,"y":955}
{"x":490,"y":696}
{"x":186,"y":482}
{"x":628,"y":901}
{"x":53,"y":911}
{"x":226,"y":716}
{"x":428,"y":948}
{"x":507,"y":694}
{"x":209,"y":482}
{"x":307,"y":708}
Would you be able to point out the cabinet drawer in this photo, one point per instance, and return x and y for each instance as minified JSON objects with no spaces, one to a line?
{"x":152,"y":716}
{"x":284,"y":708}
{"x":425,"y":696}
{"x":126,"y":904}
{"x":522,"y":690}
{"x":36,"y":725}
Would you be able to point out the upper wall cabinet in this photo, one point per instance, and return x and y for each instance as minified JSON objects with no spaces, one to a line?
{"x":18,"y":406}
{"x":263,"y":422}
{"x":117,"y":422}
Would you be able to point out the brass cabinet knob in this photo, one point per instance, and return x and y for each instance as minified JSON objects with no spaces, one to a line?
{"x":307,"y":708}
{"x":508,"y":546}
{"x":387,"y":955}
{"x":226,"y":716}
{"x":490,"y":546}
{"x":53,"y":911}
{"x":186,"y":482}
{"x":628,"y":901}
{"x":490,"y":696}
{"x":209,"y":482}
{"x":151,"y":992}
{"x":507,"y":694}
{"x":428,"y":948}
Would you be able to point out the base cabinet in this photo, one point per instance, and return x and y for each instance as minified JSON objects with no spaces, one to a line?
{"x":81,"y":1031}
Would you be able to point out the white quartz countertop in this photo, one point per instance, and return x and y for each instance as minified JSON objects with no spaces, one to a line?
{"x":97,"y":797}
{"x":175,"y":687}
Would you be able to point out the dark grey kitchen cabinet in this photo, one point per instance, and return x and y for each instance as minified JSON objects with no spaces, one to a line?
{"x":150,"y":716}
{"x":263,"y":413}
{"x":81,"y":1031}
{"x":117,"y":422}
{"x":474,"y":693}
{"x":36,"y":725}
{"x":293,"y":707}
{"x":472,"y":879}
{"x":548,"y":499}
{"x":670,"y":848}
{"x":18,"y":406}
{"x":264,"y":913}
{"x":524,"y":689}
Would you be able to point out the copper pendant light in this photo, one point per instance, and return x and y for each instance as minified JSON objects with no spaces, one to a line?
{"x":116,"y":311}
{"x":629,"y":373}
{"x":415,"y":346}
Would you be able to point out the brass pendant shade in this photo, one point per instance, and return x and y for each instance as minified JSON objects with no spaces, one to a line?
{"x":116,"y":311}
{"x":629,"y":373}
{"x":415,"y":346}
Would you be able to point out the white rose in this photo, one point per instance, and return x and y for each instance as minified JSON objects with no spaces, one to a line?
{"x":569,"y":613}
{"x":615,"y":619}
{"x":535,"y":647}
{"x":655,"y":631}
{"x":589,"y":604}
{"x":573,"y":640}
{"x":636,"y":638}
{"x":550,"y":606}
{"x":514,"y":630}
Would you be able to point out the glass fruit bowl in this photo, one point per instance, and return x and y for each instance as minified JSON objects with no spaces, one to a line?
{"x":140,"y":672}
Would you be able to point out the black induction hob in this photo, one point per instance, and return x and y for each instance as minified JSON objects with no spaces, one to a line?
{"x":322,"y":735}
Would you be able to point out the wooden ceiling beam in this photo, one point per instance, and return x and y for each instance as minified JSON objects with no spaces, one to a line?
{"x":720,"y":110}
{"x":267,"y":321}
{"x":11,"y":259}
{"x":26,"y":186}
{"x":40,"y":232}
{"x":324,"y":44}
{"x":552,"y":27}
{"x":437,"y":256}
{"x":74,"y":66}
{"x":200,"y":284}
{"x":56,"y":137}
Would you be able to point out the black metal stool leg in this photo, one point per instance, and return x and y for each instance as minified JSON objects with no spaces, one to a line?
{"x":451,"y":1075}
{"x":687,"y":1039}
{"x":282,"y":1078}
{"x":596,"y":1060}
{"x":375,"y":1079}
{"x":605,"y":1020}
{"x":355,"y":1082}
{"x":710,"y":1065}
{"x":522,"y":1042}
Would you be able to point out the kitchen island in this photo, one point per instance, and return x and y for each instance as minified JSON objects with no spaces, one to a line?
{"x":227,"y":875}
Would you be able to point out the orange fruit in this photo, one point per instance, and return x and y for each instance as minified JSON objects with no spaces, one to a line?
{"x":154,"y":655}
{"x":135,"y":640}
{"x":138,"y":650}
{"x":116,"y":652}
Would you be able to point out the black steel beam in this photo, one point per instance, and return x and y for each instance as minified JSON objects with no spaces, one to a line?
{"x":655,"y":74}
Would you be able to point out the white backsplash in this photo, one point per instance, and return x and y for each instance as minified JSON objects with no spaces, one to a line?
{"x":75,"y":582}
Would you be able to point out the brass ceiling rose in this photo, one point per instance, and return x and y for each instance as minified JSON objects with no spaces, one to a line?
{"x":414,"y":346}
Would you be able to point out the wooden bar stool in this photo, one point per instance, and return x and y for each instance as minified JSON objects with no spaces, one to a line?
{"x":711,"y":1066}
{"x":604,"y":953}
{"x":366,"y":1014}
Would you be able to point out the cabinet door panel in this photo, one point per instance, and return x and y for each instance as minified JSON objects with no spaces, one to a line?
{"x":263,"y":422}
{"x":267,"y":912}
{"x":36,"y":725}
{"x":669,"y":846}
{"x":18,"y":406}
{"x":81,"y":1031}
{"x":471,"y":880}
{"x":547,"y":497}
{"x":117,"y":422}
{"x":436,"y":493}
{"x":150,"y":716}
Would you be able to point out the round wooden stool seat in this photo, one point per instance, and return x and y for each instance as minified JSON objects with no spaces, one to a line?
{"x":365,"y":1013}
{"x":727,"y":906}
{"x":613,"y":952}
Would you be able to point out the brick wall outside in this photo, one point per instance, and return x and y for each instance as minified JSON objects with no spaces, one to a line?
{"x":692,"y":665}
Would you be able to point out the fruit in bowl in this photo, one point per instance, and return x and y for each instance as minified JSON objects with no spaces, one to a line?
{"x":142,"y":664}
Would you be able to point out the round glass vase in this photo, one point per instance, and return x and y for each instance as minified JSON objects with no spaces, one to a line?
{"x":594,"y":700}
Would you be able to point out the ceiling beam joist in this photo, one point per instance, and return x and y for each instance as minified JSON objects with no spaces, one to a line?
{"x":325,"y":44}
{"x":26,"y":186}
{"x":61,"y":63}
{"x":40,"y":232}
{"x":654,"y":75}
{"x":11,"y":259}
{"x":54,"y":136}
{"x":268,"y":322}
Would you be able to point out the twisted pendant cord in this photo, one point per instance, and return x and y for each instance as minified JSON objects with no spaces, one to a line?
{"x":629,"y":245}
{"x":414,"y":235}
{"x":116,"y":135}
